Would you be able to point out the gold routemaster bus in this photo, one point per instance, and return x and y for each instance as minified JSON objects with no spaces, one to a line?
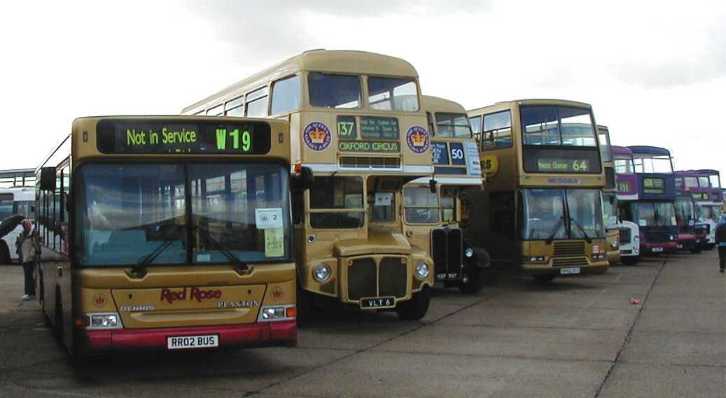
{"x":356,"y":122}
{"x":432,"y":218}
{"x":542,"y":208}
{"x":167,"y":232}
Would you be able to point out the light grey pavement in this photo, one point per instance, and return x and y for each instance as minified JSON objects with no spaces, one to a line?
{"x":578,"y":337}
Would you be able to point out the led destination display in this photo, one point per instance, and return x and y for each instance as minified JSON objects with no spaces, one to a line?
{"x":144,"y":136}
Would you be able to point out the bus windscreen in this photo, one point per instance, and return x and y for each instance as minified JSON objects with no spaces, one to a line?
{"x":145,"y":136}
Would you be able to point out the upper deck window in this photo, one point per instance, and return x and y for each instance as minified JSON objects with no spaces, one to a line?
{"x":475,"y":123}
{"x":392,"y":94}
{"x":497,"y":130}
{"x":234,"y":107}
{"x":623,"y":166}
{"x":334,"y":91}
{"x":691,"y":182}
{"x":715,"y":181}
{"x":216,"y":111}
{"x":256,"y":103}
{"x":605,"y":154}
{"x":285,"y":95}
{"x":654,"y":164}
{"x":452,"y":125}
{"x":557,"y":125}
{"x":703,"y":182}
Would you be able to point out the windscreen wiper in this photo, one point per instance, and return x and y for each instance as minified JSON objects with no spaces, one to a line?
{"x":140,"y":268}
{"x":225,"y":251}
{"x":577,"y":224}
{"x":554,"y":231}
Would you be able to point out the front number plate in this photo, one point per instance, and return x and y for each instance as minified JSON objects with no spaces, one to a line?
{"x":657,"y":249}
{"x":370,"y":303}
{"x":191,"y":342}
{"x":570,"y":271}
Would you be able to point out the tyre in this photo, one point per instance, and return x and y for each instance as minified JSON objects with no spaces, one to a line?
{"x":695,"y":249}
{"x":630,"y":260}
{"x":4,"y":253}
{"x":415,"y":309}
{"x":546,"y":278}
{"x":710,"y":246}
{"x":305,"y":307}
{"x":472,"y":280}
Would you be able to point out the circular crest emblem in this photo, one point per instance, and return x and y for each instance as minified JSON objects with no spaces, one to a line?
{"x":317,"y":136}
{"x":417,"y":139}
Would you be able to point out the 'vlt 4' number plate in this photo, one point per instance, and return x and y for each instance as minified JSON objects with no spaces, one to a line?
{"x":370,"y":303}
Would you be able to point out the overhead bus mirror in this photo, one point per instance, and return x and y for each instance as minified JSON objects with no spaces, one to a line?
{"x":47,"y":179}
{"x":303,"y":179}
{"x":67,"y":201}
{"x":432,"y":185}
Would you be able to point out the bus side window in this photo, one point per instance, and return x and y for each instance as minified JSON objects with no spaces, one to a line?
{"x":430,"y":119}
{"x":497,"y":130}
{"x":256,"y":103}
{"x":475,"y":123}
{"x":285,"y":95}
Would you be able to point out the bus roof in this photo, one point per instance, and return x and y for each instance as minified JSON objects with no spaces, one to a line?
{"x":649,"y":150}
{"x":438,"y":104}
{"x":334,"y":61}
{"x":696,"y":173}
{"x":532,"y":101}
{"x":621,"y":150}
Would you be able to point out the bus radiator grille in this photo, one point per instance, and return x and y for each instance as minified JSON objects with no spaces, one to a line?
{"x":568,"y":262}
{"x":624,"y":235}
{"x":392,"y":277}
{"x":362,"y":279}
{"x":366,"y":278}
{"x":446,"y":248}
{"x":569,"y":249}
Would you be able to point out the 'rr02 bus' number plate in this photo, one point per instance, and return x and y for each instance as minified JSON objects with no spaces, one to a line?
{"x":191,"y":342}
{"x":370,"y":303}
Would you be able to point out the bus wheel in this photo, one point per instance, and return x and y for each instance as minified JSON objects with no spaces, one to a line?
{"x":415,"y":309}
{"x":4,"y":253}
{"x":630,"y":260}
{"x":58,"y":320}
{"x":546,"y":278}
{"x":472,"y":280}
{"x":695,"y":249}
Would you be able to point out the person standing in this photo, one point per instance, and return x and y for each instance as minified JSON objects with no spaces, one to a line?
{"x":26,"y":244}
{"x":721,"y":242}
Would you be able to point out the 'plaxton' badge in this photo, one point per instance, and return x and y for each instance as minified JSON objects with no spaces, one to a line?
{"x":317,"y":136}
{"x":417,"y":139}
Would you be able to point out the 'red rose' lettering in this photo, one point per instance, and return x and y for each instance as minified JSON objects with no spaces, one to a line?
{"x":199,"y":295}
{"x":170,"y":296}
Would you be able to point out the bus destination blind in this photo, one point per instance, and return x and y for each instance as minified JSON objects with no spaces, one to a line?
{"x":145,"y":136}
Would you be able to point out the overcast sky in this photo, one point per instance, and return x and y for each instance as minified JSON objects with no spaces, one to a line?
{"x":654,"y":71}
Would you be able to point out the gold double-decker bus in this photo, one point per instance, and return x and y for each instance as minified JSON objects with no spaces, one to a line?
{"x":542,"y":209}
{"x":609,"y":196}
{"x":433,"y":213}
{"x":167,"y":232}
{"x":357,"y":124}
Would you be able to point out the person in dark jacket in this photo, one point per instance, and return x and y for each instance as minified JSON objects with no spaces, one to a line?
{"x":721,"y":241}
{"x":27,"y":249}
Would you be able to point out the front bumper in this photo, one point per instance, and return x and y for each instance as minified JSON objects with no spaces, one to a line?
{"x":250,"y":335}
{"x":656,"y":248}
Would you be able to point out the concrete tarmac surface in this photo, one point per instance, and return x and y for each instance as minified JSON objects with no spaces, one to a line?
{"x":575,"y":337}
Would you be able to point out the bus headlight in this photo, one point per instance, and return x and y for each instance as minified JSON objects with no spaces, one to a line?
{"x":469,"y":252}
{"x":422,"y":270}
{"x":104,"y":321}
{"x":277,"y":313}
{"x":322,"y":273}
